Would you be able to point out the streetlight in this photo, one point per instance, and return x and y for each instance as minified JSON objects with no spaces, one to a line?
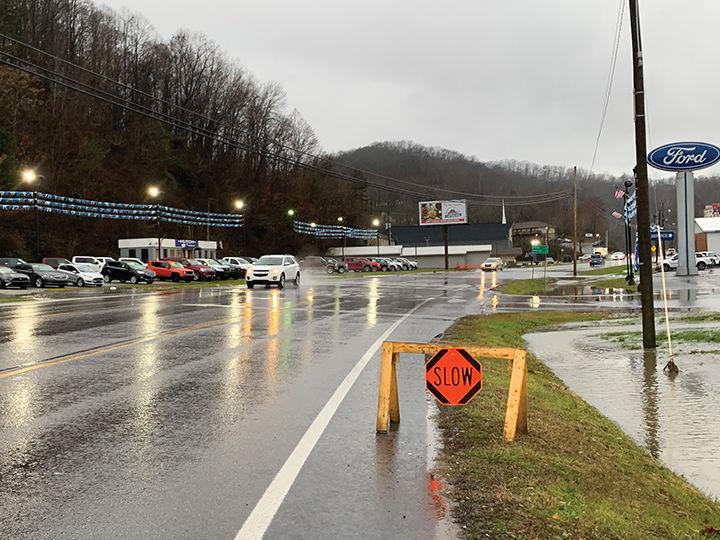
{"x":291,"y":213}
{"x":154,"y":193}
{"x":376,"y":224}
{"x":340,"y":220}
{"x":534,"y":242}
{"x":239,"y":204}
{"x":29,"y":176}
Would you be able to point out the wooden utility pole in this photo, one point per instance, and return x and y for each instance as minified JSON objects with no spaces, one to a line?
{"x":574,"y":244}
{"x":642,"y":185}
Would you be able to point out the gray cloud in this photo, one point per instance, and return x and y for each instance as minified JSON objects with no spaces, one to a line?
{"x":512,"y":79}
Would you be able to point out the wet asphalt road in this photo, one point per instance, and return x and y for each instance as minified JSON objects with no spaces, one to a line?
{"x":167,"y":415}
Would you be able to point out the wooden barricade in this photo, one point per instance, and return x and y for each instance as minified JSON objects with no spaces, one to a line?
{"x":389,"y":402}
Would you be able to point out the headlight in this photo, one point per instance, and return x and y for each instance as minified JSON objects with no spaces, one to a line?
{"x":275,"y":271}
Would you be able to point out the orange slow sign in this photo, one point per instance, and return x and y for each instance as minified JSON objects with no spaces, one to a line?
{"x":453,"y":376}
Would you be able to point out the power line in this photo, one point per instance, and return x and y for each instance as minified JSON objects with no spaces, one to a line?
{"x":527,"y":198}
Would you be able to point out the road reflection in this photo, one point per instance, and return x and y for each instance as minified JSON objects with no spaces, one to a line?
{"x":24,"y":327}
{"x":372,"y":302}
{"x":273,"y":346}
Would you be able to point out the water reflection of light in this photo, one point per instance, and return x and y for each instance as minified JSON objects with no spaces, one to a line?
{"x":494,"y":278}
{"x":234,"y":332}
{"x":21,"y":396}
{"x":24,"y":326}
{"x":247,"y":315}
{"x":372,"y":303}
{"x":145,"y":367}
{"x":481,"y":294}
{"x":535,"y":302}
{"x":310,"y":299}
{"x":495,"y":301}
{"x":271,"y":363}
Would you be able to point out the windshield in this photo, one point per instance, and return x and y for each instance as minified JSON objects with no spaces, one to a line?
{"x":193,"y":262}
{"x":492,"y":260}
{"x":135,"y":265}
{"x":84,"y":267}
{"x":208,"y":262}
{"x":42,"y":268}
{"x":270,"y":260}
{"x":175,"y":264}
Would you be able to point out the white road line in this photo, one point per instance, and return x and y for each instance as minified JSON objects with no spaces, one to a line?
{"x":257,"y":523}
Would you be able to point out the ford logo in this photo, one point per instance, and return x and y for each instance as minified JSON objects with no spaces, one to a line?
{"x":685,"y":156}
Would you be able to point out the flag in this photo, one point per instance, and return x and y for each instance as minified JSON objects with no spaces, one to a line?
{"x":619,"y":193}
{"x":616,"y":215}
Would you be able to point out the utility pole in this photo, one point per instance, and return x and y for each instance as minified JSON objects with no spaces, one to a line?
{"x":574,"y":244}
{"x":37,"y":226}
{"x":642,"y":185}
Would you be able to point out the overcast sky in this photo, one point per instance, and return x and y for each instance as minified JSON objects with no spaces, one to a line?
{"x":497,"y":79}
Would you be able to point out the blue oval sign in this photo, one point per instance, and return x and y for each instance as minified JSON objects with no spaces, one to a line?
{"x":684,"y":156}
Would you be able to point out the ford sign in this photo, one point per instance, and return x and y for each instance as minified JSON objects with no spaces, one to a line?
{"x":685,"y":156}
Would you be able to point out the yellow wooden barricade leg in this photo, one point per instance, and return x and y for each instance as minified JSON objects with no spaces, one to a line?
{"x":516,"y":413}
{"x":394,"y":398}
{"x":387,"y":373}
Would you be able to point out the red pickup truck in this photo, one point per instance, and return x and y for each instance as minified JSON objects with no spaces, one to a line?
{"x":171,"y":270}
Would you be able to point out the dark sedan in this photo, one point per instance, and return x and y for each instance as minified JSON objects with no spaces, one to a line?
{"x":42,"y":275}
{"x":10,"y":278}
{"x":123,"y":272}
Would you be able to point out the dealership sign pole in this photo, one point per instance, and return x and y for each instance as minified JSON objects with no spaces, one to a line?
{"x":683,"y":159}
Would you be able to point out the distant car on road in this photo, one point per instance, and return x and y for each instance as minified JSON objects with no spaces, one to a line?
{"x":585,"y":257}
{"x":82,"y":274}
{"x":597,"y":260}
{"x":274,"y":270}
{"x":42,"y":275}
{"x":171,"y":270}
{"x":11,"y":278}
{"x":617,"y":256}
{"x":492,"y":263}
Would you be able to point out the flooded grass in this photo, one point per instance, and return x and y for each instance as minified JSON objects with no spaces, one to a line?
{"x":607,"y":270}
{"x":575,"y":475}
{"x":615,"y":283}
{"x":527,"y":287}
{"x":710,"y":316}
{"x":633,"y":340}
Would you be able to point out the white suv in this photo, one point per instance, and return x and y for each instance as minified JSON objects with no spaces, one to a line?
{"x":273,"y":270}
{"x":238,"y":261}
{"x":97,"y":261}
{"x":702,"y":261}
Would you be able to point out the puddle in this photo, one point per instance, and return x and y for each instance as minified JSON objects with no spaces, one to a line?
{"x":674,"y":417}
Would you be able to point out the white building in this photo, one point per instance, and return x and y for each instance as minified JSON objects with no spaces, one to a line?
{"x":707,"y":234}
{"x":146,"y":249}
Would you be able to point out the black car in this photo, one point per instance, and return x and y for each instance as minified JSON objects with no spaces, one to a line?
{"x":10,"y":262}
{"x":42,"y":275}
{"x":10,"y":278}
{"x":123,"y":272}
{"x":150,"y":276}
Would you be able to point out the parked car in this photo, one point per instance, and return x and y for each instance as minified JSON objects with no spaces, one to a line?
{"x":55,"y":261}
{"x":273,"y":270}
{"x":671,"y":263}
{"x":131,"y":259}
{"x":243,"y":263}
{"x":11,"y":262}
{"x":411,"y":265}
{"x":172,"y":270}
{"x":549,"y":260}
{"x":710,"y":255}
{"x":150,"y":276}
{"x":11,"y":278}
{"x":617,"y":256}
{"x":122,"y":272}
{"x":703,"y":260}
{"x":42,"y":275}
{"x":202,"y":271}
{"x":387,"y":264}
{"x":492,"y":264}
{"x":358,"y":264}
{"x":235,"y":271}
{"x":88,"y":260}
{"x":222,"y":271}
{"x":585,"y":257}
{"x":338,"y":266}
{"x":81,"y":274}
{"x":597,"y":260}
{"x":314,"y":263}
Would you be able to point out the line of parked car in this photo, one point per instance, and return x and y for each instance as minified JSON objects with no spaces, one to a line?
{"x":357,"y":264}
{"x":86,"y":271}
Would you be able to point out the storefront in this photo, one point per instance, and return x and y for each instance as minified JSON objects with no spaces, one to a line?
{"x":146,"y":249}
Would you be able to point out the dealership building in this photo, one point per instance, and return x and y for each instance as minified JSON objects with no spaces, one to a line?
{"x":146,"y":249}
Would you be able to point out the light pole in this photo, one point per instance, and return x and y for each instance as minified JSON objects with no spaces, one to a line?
{"x":154,"y":193}
{"x":376,"y":224}
{"x":340,"y":220}
{"x":239,"y":205}
{"x":291,"y":214}
{"x":534,"y":242}
{"x":29,"y":176}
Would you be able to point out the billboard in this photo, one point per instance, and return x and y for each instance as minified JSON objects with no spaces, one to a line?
{"x":443,"y":212}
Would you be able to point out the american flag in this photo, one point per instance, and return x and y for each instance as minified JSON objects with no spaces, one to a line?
{"x":616,"y":215}
{"x":619,"y":193}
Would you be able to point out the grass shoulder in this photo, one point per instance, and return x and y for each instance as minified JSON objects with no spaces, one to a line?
{"x":526,"y":286}
{"x":15,"y":299}
{"x":575,"y":475}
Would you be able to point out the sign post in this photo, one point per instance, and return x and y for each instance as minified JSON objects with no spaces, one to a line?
{"x":683,"y":159}
{"x":443,"y":213}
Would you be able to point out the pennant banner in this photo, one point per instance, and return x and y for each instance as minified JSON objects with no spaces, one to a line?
{"x":334,"y":231}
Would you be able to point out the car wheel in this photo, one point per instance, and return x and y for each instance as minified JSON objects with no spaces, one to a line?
{"x":80,"y":282}
{"x":61,"y":286}
{"x":150,"y":281}
{"x":281,"y":283}
{"x":175,"y":277}
{"x":666,"y":267}
{"x":250,"y":285}
{"x":701,"y":265}
{"x":106,"y":278}
{"x":133,"y":280}
{"x":341,"y":269}
{"x":297,"y":279}
{"x":2,"y":284}
{"x":23,"y":287}
{"x":366,"y":268}
{"x":329,"y":270}
{"x":39,"y":283}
